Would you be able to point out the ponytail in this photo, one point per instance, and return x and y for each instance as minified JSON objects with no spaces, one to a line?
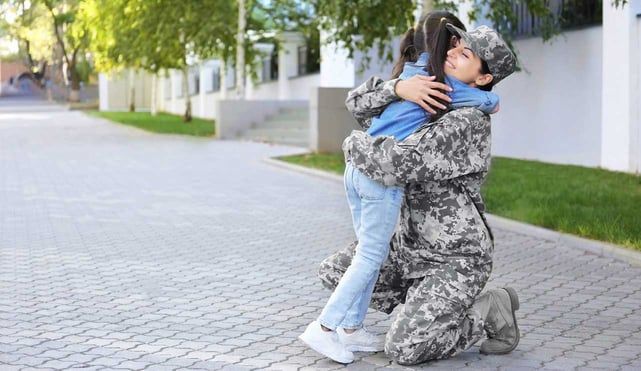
{"x":408,"y":53}
{"x":440,"y":45}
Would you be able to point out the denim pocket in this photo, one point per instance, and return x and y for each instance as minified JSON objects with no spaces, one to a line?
{"x":368,"y":189}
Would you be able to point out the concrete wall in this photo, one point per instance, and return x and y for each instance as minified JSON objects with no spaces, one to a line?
{"x":297,"y":87}
{"x":552,"y":110}
{"x":114,"y":91}
{"x":236,"y":116}
{"x":329,"y":122}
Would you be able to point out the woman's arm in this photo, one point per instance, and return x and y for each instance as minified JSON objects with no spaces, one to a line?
{"x":370,"y":98}
{"x":456,"y":145}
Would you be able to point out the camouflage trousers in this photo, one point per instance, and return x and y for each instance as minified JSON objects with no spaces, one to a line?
{"x":437,"y":320}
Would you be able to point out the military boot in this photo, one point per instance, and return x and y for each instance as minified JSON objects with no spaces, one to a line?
{"x":497,"y":309}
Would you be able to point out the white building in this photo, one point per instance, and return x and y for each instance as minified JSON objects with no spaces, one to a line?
{"x":577,"y":100}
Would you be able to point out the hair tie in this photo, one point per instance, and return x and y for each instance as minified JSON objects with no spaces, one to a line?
{"x":443,"y":19}
{"x":408,"y":48}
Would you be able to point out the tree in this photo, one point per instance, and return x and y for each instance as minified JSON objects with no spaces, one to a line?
{"x":28,"y":25}
{"x":159,"y":35}
{"x":71,"y":37}
{"x":347,"y":18}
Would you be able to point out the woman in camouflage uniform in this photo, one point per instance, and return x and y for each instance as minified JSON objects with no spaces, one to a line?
{"x":441,"y":254}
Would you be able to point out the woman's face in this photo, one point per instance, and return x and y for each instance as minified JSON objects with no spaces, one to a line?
{"x":463,"y":64}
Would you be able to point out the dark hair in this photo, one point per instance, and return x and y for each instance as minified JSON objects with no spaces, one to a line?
{"x":484,"y":70}
{"x":440,"y":38}
{"x":408,"y":52}
{"x":420,"y":38}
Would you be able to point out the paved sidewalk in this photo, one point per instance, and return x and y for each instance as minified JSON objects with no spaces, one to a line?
{"x":121,"y":249}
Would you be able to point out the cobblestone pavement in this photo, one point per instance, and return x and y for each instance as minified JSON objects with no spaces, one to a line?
{"x":121,"y":249}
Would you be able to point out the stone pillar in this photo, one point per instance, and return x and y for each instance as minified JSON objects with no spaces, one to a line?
{"x":621,"y":97}
{"x":103,"y":92}
{"x":336,"y":69}
{"x":173,"y":76}
{"x":202,"y":76}
{"x":222,"y":72}
{"x":288,"y":61}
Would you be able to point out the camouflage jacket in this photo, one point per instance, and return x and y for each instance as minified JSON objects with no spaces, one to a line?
{"x":442,"y":166}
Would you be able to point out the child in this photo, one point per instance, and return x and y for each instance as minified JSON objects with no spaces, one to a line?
{"x":375,"y":208}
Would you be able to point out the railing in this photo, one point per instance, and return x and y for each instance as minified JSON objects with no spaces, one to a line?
{"x":569,"y":14}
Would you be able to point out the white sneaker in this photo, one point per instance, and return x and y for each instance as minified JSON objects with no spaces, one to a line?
{"x":325,"y":343}
{"x":361,"y":340}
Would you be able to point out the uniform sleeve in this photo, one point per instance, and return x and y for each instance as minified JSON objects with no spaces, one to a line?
{"x":453,"y":146}
{"x":485,"y":101}
{"x":370,"y":99}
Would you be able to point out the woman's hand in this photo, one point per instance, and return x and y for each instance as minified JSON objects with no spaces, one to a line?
{"x":422,"y":90}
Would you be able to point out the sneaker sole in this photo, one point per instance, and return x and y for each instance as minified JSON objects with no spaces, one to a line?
{"x":514,"y":303}
{"x":360,"y":348}
{"x":319,"y":350}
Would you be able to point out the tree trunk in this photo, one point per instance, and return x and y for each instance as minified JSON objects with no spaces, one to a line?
{"x":74,"y":94}
{"x":427,"y":6}
{"x":187,"y":116}
{"x":132,"y":90}
{"x":240,"y":51}
{"x":154,"y":108}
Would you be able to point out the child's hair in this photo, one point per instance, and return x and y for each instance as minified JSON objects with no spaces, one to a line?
{"x":421,"y":37}
{"x":440,"y":39}
{"x":407,"y":52}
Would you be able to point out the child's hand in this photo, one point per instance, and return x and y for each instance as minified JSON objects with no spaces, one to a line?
{"x":422,"y":90}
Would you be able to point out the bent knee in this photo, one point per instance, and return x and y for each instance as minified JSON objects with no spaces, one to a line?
{"x":407,"y":353}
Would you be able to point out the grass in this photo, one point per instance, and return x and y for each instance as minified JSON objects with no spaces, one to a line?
{"x":332,"y":162}
{"x":587,"y":202}
{"x":162,"y":123}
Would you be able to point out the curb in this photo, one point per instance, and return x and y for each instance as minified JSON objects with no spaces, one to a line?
{"x":632,"y":257}
{"x":305,"y":170}
{"x":600,"y":248}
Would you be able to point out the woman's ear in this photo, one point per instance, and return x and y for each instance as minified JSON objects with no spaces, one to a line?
{"x":483,"y":79}
{"x":453,"y":41}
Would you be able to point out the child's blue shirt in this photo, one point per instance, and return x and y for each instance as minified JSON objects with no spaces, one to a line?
{"x":402,"y":118}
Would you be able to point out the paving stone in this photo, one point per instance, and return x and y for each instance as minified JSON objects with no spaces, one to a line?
{"x":122,"y":249}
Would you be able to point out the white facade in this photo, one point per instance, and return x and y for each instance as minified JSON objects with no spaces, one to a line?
{"x":551,"y":110}
{"x":577,"y":101}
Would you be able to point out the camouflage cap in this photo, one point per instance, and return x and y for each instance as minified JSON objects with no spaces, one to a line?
{"x":490,"y":47}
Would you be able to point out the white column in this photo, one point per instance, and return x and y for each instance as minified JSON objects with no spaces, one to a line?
{"x":620,"y":139}
{"x":202,"y":76}
{"x":174,"y":83}
{"x":288,"y":62}
{"x":336,"y":69}
{"x":103,"y":92}
{"x":249,"y":84}
{"x":223,"y":79}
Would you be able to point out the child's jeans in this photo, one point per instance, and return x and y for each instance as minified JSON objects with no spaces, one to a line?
{"x":375,"y":209}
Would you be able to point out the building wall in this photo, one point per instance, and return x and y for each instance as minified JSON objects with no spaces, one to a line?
{"x":114,"y":91}
{"x":301,"y":86}
{"x":551,"y":111}
{"x":11,"y":69}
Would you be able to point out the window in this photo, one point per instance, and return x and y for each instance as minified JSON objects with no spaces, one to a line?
{"x":216,"y":79}
{"x":270,"y":68}
{"x":302,"y":60}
